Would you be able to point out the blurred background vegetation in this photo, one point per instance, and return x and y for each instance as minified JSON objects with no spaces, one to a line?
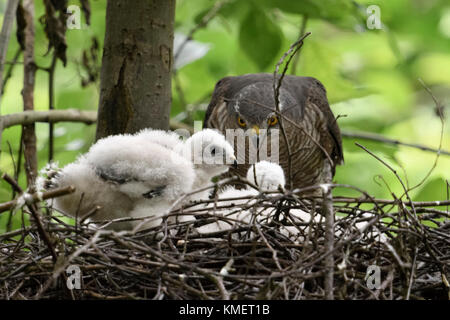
{"x":371,"y":77}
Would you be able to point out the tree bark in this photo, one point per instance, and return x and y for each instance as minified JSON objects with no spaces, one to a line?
{"x":29,"y":136}
{"x":135,"y":89}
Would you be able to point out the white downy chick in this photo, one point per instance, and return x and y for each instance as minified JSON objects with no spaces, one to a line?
{"x":142,"y":174}
{"x":208,"y":150}
{"x":269,"y":177}
{"x":124,"y":174}
{"x":167,"y":139}
{"x":211,"y":155}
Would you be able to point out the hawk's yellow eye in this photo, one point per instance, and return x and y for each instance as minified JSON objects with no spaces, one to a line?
{"x":241,"y":122}
{"x":273,"y":120}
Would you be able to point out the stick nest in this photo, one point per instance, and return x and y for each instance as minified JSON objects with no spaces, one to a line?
{"x":408,"y":242}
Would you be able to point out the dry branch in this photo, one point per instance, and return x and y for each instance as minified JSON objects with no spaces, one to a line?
{"x":202,"y":24}
{"x":66,"y":115}
{"x":380,"y":138}
{"x":302,"y":33}
{"x":31,"y":117}
{"x":327,"y":208}
{"x":8,"y":74}
{"x":36,"y":197}
{"x":30,"y":203}
{"x":51,"y":102}
{"x":277,"y":82}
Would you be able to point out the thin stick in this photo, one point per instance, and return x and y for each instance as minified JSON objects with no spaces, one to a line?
{"x":380,"y":138}
{"x":274,"y":252}
{"x":385,"y":201}
{"x":302,"y":33}
{"x":276,"y":91}
{"x":346,"y":134}
{"x":327,"y":208}
{"x":8,"y":74}
{"x":393,"y":171}
{"x":62,"y":115}
{"x":411,"y":278}
{"x":30,"y":117}
{"x":203,"y":23}
{"x":34,"y":213}
{"x":51,"y":104}
{"x":9,"y":221}
{"x":36,"y":197}
{"x":439,"y":110}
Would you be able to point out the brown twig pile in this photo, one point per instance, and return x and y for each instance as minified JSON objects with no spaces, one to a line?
{"x":260,"y":259}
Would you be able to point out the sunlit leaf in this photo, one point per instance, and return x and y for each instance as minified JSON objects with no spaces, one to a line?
{"x":337,"y":11}
{"x":259,"y":37}
{"x":432,"y":190}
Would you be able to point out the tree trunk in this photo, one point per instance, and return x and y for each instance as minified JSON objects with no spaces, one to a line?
{"x":136,"y":67}
{"x":29,"y":136}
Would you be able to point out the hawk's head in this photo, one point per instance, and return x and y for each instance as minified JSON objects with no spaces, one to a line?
{"x":253,"y":107}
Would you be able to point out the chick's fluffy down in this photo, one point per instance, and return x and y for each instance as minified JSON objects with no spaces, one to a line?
{"x":142,"y":167}
{"x":116,"y":173}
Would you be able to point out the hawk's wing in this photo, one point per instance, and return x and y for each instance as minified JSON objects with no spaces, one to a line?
{"x":217,"y":99}
{"x":314,"y":91}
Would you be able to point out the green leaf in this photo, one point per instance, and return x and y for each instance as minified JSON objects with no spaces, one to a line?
{"x":325,"y":9}
{"x":234,"y":10}
{"x":340,"y":12}
{"x":310,"y":8}
{"x":259,"y":37}
{"x":433,"y":190}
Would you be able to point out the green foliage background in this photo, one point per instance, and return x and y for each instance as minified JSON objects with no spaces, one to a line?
{"x":371,"y":78}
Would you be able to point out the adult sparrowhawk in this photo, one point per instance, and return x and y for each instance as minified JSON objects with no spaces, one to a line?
{"x":248,"y":102}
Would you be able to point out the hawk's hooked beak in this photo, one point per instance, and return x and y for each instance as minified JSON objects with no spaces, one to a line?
{"x":235,"y":164}
{"x":255,"y":136}
{"x":255,"y":130}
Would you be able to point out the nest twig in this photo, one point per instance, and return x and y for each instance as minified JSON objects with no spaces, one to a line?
{"x":258,"y":259}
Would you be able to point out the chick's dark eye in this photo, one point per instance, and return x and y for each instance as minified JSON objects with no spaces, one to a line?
{"x":213,"y":152}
